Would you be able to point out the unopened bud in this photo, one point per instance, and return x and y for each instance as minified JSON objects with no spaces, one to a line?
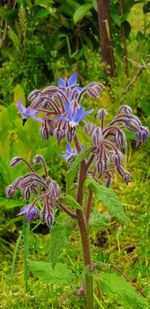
{"x":125,"y":109}
{"x":101,"y":113}
{"x":15,"y":161}
{"x":97,"y":136}
{"x":38,"y":159}
{"x":44,"y":131}
{"x":55,"y":190}
{"x":89,"y":128}
{"x":9,"y":191}
{"x":59,"y":133}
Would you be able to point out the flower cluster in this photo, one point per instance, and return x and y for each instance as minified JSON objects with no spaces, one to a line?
{"x":61,"y":107}
{"x":32,"y":184}
{"x":110,"y":142}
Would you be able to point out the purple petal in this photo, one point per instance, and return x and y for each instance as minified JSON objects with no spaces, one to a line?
{"x":38,"y":119}
{"x":63,"y":118}
{"x":72,"y":80}
{"x":32,"y":112}
{"x":79,"y":89}
{"x":21,"y":107}
{"x":78,"y":115}
{"x":24,"y":210}
{"x":27,"y":113}
{"x":68,"y":149}
{"x":68,"y":110}
{"x":29,"y":214}
{"x":61,"y":82}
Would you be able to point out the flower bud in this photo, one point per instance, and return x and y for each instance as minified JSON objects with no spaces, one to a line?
{"x":70,"y":134}
{"x":34,"y":94}
{"x":89,"y":128}
{"x":9,"y":191}
{"x":125,"y":109}
{"x":26,"y":181}
{"x":101,"y":113}
{"x":38,"y":159}
{"x":26,"y":193}
{"x":55,"y":190}
{"x":144,"y":133}
{"x":126,"y":177}
{"x":59,"y":133}
{"x":97,"y":136}
{"x":47,"y":215}
{"x":117,"y":159}
{"x":44,"y":132}
{"x":108,"y":179}
{"x":15,"y":161}
{"x":93,"y":92}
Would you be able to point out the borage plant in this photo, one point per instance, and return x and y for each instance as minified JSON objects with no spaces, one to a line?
{"x":94,"y":164}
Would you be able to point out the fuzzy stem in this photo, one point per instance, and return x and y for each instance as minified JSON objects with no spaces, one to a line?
{"x":67,"y":211}
{"x":85,"y":238}
{"x":26,"y":231}
{"x":89,"y":205}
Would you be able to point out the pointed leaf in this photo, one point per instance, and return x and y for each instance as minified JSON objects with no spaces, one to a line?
{"x":70,"y":201}
{"x":109,"y":198}
{"x":82,"y":11}
{"x":61,"y":275}
{"x":115,"y":286}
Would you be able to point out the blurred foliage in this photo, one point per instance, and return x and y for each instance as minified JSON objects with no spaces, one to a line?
{"x":39,"y":41}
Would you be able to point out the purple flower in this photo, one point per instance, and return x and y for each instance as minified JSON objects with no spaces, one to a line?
{"x":70,"y":153}
{"x":76,"y":118}
{"x":70,"y":82}
{"x":29,"y":213}
{"x":27,"y":112}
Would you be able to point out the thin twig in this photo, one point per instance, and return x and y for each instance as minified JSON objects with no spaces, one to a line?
{"x":133,"y":80}
{"x":68,"y":211}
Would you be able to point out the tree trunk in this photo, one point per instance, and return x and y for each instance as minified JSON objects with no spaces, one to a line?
{"x":105,"y":33}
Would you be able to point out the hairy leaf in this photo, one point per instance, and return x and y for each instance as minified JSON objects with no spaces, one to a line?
{"x":114,"y":286}
{"x":99,"y":220}
{"x":109,"y":198}
{"x":61,"y":274}
{"x":70,"y":201}
{"x":58,"y":241}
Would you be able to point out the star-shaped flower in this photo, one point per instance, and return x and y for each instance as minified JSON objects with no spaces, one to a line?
{"x":70,"y":82}
{"x":76,"y":118}
{"x":28,"y":112}
{"x":70,"y":153}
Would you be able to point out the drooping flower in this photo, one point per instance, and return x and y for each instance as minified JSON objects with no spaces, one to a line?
{"x":45,"y":189}
{"x":74,"y":118}
{"x":29,"y":212}
{"x":27,"y":112}
{"x":110,"y":142}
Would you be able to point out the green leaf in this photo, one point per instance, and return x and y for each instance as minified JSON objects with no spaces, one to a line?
{"x":42,"y":13}
{"x":71,"y":174}
{"x":58,"y":240}
{"x":60,"y":275}
{"x":109,"y":198}
{"x":82,"y":11}
{"x":114,"y":286}
{"x":98,"y":219}
{"x":10,"y":203}
{"x":70,"y":201}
